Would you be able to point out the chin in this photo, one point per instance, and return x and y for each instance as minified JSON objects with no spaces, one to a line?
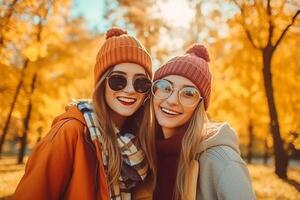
{"x":169,"y":124}
{"x":125,"y":112}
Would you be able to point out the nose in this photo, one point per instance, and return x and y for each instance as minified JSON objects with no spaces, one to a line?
{"x":173,"y":98}
{"x":129,"y":87}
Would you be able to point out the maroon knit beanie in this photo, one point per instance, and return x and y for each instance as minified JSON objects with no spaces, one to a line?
{"x":193,"y":65}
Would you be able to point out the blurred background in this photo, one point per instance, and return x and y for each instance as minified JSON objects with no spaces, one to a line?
{"x":48,"y":50}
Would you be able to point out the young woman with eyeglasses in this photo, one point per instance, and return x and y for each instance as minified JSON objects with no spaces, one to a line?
{"x":95,"y":149}
{"x":195,"y":158}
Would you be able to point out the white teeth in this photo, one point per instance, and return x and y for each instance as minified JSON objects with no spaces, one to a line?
{"x":169,"y":111}
{"x":128,"y":100}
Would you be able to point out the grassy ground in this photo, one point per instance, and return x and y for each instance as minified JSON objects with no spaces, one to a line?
{"x":10,"y":175}
{"x":266,"y":184}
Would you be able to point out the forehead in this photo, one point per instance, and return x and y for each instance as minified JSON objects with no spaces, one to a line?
{"x":179,"y":81}
{"x":129,"y":68}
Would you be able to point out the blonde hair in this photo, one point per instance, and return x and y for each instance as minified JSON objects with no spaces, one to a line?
{"x":142,"y":118}
{"x":191,"y":141}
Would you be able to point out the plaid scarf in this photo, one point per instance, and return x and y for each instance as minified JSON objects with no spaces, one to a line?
{"x":134,"y":166}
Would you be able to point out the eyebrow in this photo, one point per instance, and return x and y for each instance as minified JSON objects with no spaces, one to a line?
{"x":124,"y":73}
{"x":119,"y":72}
{"x":140,"y":74}
{"x":182,"y":86}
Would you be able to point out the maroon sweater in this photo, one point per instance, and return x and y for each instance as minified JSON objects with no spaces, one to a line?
{"x":168,"y":151}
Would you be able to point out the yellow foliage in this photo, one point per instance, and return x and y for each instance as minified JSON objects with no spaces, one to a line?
{"x":32,"y":52}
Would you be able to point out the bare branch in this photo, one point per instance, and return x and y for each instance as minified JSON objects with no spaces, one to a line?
{"x":5,"y":18}
{"x":286,"y":29}
{"x":282,"y":6}
{"x":271,"y":26}
{"x":43,"y":17}
{"x":269,"y":6}
{"x":10,"y":10}
{"x":248,"y":34}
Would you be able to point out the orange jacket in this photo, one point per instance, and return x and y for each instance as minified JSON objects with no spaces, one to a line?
{"x":64,"y":164}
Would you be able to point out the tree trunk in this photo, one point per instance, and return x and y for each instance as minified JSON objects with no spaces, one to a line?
{"x":250,"y":144}
{"x":1,"y":42}
{"x":26,"y":123}
{"x":5,"y":18}
{"x":266,"y":154}
{"x":24,"y":136}
{"x":281,"y":158}
{"x":12,"y":106}
{"x":38,"y":38}
{"x":39,"y":130}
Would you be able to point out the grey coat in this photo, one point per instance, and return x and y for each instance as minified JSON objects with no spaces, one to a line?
{"x":222,"y":173}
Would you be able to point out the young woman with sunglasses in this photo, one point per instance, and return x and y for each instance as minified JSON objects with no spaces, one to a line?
{"x":94,"y":150}
{"x":196,"y":159}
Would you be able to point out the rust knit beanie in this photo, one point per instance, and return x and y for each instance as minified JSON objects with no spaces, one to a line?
{"x":119,"y":47}
{"x":193,"y":65}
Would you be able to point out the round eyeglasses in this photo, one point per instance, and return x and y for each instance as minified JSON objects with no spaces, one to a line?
{"x":188,"y":95}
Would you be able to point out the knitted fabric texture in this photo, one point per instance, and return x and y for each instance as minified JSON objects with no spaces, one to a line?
{"x":193,"y":65}
{"x":119,"y":47}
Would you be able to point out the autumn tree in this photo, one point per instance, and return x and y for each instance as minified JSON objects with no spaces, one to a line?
{"x":273,"y":20}
{"x":59,"y":54}
{"x":238,"y":87}
{"x":11,"y":32}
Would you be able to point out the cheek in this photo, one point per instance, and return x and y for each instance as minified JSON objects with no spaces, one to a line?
{"x":188,"y":113}
{"x":109,"y":97}
{"x":140,"y":98}
{"x":156,"y":104}
{"x":179,"y":121}
{"x":108,"y":92}
{"x":117,"y":107}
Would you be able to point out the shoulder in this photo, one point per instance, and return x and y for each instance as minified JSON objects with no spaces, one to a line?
{"x":219,"y":159}
{"x":220,"y":141}
{"x":59,"y":144}
{"x":67,"y":127}
{"x":71,"y":112}
{"x":214,"y":128}
{"x":226,"y":170}
{"x":220,"y":154}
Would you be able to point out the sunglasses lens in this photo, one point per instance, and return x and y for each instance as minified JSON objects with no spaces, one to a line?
{"x":189,"y":95}
{"x":117,"y":82}
{"x":142,"y":85}
{"x":161,"y":89}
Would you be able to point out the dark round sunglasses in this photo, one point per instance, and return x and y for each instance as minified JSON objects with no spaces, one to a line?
{"x":118,"y":82}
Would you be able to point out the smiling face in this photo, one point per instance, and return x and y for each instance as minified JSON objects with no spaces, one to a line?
{"x":169,"y":112}
{"x":127,"y":101}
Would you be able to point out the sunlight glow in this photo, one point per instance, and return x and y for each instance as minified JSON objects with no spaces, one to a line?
{"x":177,"y":13}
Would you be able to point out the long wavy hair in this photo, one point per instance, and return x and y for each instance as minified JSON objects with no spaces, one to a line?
{"x":140,"y":124}
{"x":193,"y":136}
{"x":191,"y":141}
